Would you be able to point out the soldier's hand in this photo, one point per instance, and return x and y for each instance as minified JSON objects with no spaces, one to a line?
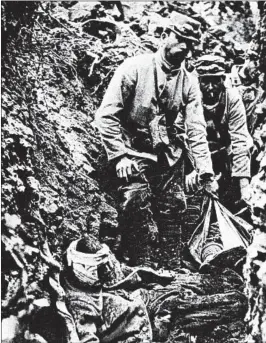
{"x":192,"y":183}
{"x":126,"y":167}
{"x":245,"y":190}
{"x":211,"y":187}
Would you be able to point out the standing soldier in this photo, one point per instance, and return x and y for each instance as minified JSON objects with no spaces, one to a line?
{"x":136,"y":121}
{"x":229,"y":144}
{"x":227,"y":132}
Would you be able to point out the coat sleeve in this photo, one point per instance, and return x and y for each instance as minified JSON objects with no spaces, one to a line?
{"x":108,"y":116}
{"x":241,"y":140}
{"x":196,"y":130}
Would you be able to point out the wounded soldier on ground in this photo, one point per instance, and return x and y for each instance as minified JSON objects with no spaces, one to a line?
{"x":111,"y":302}
{"x":100,"y":316}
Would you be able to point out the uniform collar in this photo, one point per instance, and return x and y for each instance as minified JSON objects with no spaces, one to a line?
{"x":166,"y":67}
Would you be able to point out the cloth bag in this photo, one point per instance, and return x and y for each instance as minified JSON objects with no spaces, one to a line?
{"x":234,"y":230}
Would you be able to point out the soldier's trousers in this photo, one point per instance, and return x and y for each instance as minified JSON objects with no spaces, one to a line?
{"x":121,"y":320}
{"x":153,"y":195}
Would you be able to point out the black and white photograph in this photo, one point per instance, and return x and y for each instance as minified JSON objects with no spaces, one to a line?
{"x":133,"y":171}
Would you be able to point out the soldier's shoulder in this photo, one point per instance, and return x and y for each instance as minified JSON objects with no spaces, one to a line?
{"x":233,"y":94}
{"x":191,"y":77}
{"x":136,"y":65}
{"x":138,"y":60}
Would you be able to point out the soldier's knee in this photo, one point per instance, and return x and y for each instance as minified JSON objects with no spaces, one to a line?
{"x":134,"y":196}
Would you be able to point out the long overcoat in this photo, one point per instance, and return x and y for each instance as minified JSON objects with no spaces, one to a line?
{"x":130,"y":105}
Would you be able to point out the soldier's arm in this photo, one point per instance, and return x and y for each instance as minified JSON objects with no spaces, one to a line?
{"x":241,"y":141}
{"x":108,"y":117}
{"x":196,"y":131}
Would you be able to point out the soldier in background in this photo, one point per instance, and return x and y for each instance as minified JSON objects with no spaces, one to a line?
{"x":229,"y":143}
{"x":227,"y":131}
{"x":250,"y":90}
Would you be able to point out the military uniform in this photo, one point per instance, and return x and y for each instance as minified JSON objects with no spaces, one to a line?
{"x":228,"y":138}
{"x":251,"y":96}
{"x":102,"y":316}
{"x":130,"y":108}
{"x":229,"y":143}
{"x":137,"y":119}
{"x":227,"y":131}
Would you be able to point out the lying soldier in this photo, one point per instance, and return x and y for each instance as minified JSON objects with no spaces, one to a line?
{"x":101,"y":316}
{"x":112,"y":302}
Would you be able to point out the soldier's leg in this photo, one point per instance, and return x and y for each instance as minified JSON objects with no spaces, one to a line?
{"x":171,"y":205}
{"x":84,"y":307}
{"x":136,"y":214}
{"x":85,"y":325}
{"x":124,"y":320}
